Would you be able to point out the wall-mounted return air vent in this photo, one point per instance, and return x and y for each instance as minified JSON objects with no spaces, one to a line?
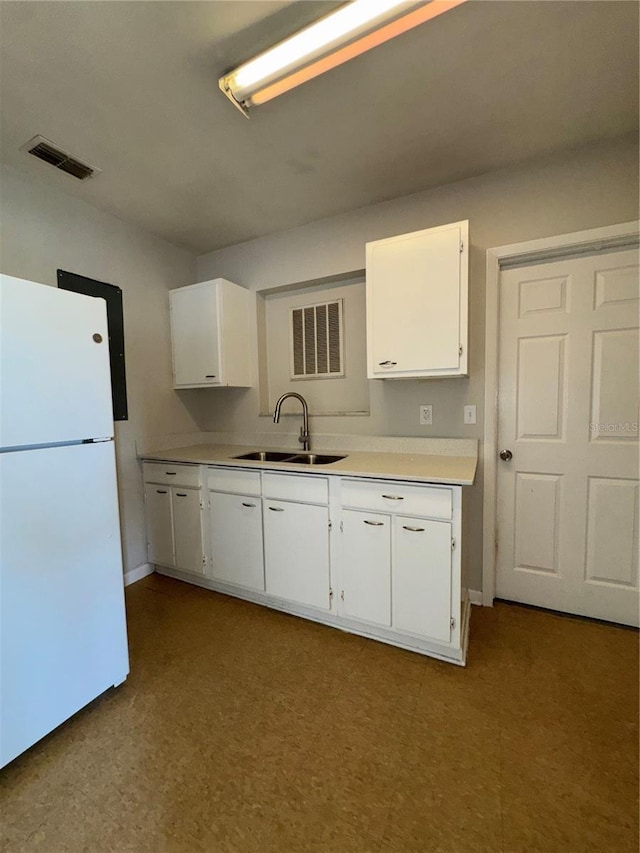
{"x":316,"y":342}
{"x":48,"y":151}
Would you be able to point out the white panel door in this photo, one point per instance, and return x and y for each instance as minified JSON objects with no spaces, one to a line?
{"x":187,"y":530}
{"x":55,"y":379}
{"x":296,"y":552}
{"x":421,"y":577}
{"x":63,"y":633}
{"x":236,"y":540}
{"x":159,"y":516}
{"x":366,"y":567}
{"x":568,"y":413}
{"x":194,"y":335}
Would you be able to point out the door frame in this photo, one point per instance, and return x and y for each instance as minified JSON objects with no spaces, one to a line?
{"x":607,"y":238}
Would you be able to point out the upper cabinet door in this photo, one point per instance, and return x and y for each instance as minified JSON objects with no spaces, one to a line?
{"x":417,"y":303}
{"x":55,"y":378}
{"x":210,"y":335}
{"x":194,"y":335}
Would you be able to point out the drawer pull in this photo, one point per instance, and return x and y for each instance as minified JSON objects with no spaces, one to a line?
{"x":276,"y":509}
{"x":393,"y":497}
{"x":171,"y":473}
{"x":161,"y":491}
{"x":387,"y":363}
{"x":413,"y":529}
{"x":181,"y":494}
{"x":250,"y":505}
{"x":210,"y":376}
{"x":374,"y":523}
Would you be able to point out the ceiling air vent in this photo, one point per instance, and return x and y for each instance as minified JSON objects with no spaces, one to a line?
{"x":46,"y":150}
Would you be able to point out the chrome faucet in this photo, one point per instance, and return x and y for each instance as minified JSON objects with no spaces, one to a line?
{"x":304,"y":429}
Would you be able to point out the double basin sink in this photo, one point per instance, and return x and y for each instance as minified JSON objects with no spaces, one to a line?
{"x":294,"y":458}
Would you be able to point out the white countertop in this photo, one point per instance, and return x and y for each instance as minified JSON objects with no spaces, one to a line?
{"x":419,"y":467}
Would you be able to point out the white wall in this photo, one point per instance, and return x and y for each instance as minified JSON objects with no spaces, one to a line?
{"x":593,"y":186}
{"x":43,"y":230}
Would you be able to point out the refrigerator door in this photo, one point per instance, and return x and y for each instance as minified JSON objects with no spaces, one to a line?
{"x":63,"y":634}
{"x":55,"y":380}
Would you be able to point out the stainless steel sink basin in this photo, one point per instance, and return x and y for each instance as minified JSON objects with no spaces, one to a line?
{"x":266,"y":456}
{"x":294,"y":458}
{"x":313,"y":459}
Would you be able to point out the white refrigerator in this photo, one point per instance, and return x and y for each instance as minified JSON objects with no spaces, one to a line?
{"x":63,"y":638}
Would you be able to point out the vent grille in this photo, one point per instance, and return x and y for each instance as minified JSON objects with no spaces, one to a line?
{"x":317,"y":341}
{"x":45,"y":150}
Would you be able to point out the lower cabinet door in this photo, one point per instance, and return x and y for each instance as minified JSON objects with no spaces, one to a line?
{"x":296,"y":551}
{"x":421,"y":577}
{"x":187,"y":527}
{"x":160,"y":547}
{"x":366,"y":567}
{"x":236,"y":540}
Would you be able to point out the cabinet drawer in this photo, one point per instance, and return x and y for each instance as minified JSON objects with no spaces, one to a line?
{"x":171,"y":474}
{"x":391,"y":496}
{"x":289,"y":487}
{"x":238,"y":481}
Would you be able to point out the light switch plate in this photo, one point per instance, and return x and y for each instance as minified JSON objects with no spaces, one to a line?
{"x":426,"y":415}
{"x":469,"y":414}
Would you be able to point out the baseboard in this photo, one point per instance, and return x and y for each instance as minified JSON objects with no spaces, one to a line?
{"x":138,"y":573}
{"x":475,"y":596}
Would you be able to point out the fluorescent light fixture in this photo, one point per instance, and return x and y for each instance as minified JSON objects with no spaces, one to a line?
{"x":344,"y":34}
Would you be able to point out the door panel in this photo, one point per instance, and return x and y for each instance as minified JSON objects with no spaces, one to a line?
{"x":568,"y":411}
{"x":366,"y":567}
{"x":63,"y":633}
{"x":236,"y":540}
{"x":422,"y":577}
{"x":612,"y":531}
{"x":187,"y":529}
{"x":160,"y":545}
{"x":541,"y":388}
{"x":296,"y":550}
{"x":55,"y":387}
{"x":536,"y":544}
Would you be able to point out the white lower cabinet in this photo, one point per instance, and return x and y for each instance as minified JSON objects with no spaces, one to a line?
{"x":236,"y":539}
{"x":421,"y":589}
{"x":389,"y":553}
{"x":296,"y":552}
{"x":160,"y":548}
{"x":366,"y":567}
{"x":174,"y":516}
{"x":187,"y":529}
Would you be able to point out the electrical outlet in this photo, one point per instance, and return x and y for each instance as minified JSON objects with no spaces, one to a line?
{"x":426,"y":415}
{"x":469,"y":414}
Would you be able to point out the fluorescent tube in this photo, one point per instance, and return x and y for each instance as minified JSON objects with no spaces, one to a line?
{"x":349,"y":31}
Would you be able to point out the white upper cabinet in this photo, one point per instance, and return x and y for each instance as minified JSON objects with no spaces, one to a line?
{"x":417,"y":290}
{"x":210,"y":335}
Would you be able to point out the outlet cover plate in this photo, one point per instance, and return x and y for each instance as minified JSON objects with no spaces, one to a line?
{"x":426,"y":415}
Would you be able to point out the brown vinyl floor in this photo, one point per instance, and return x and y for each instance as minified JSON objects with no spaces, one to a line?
{"x":242,"y":729}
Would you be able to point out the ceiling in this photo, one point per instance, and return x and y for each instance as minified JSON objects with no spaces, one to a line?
{"x":131,"y":87}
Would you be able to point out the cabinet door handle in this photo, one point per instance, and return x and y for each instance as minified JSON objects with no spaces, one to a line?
{"x":276,"y":509}
{"x":181,"y":494}
{"x":393,"y":497}
{"x":413,"y":529}
{"x":387,"y":363}
{"x":244,"y":504}
{"x":374,"y":523}
{"x":161,"y":491}
{"x":210,"y":376}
